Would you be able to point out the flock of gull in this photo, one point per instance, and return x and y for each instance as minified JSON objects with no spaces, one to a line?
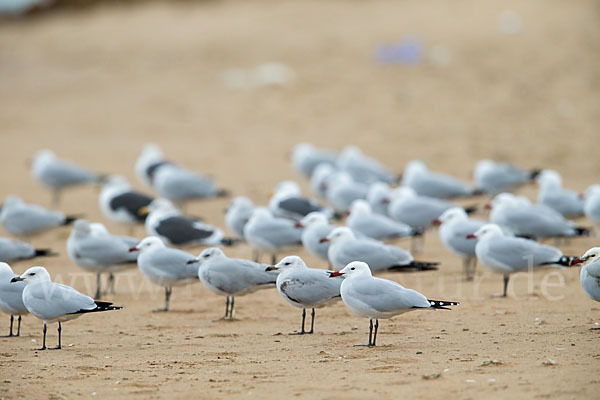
{"x":377,"y":207}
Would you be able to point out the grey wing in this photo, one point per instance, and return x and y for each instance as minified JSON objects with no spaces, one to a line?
{"x":280,"y":232}
{"x":378,"y":226}
{"x":441,"y":186}
{"x":521,"y":253}
{"x":103,"y":250}
{"x":11,"y":294}
{"x":536,"y":222}
{"x":565,"y":202}
{"x":458,"y":240}
{"x":50,"y":300}
{"x":32,"y":218}
{"x":62,"y":173}
{"x":420,"y":212}
{"x":310,"y":287}
{"x":255,"y":272}
{"x":15,"y":250}
{"x":388,"y":296}
{"x":175,"y":263}
{"x":183,"y":184}
{"x":376,"y":254}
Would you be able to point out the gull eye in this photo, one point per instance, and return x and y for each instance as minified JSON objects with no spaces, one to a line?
{"x":352,"y":268}
{"x":287,"y":263}
{"x":592,"y":255}
{"x":206,"y":255}
{"x":31,"y":273}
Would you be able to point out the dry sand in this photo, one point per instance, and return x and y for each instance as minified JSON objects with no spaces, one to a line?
{"x":95,"y":85}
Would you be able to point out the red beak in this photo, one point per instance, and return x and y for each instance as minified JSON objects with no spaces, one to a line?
{"x":299,"y":225}
{"x":437,"y":222}
{"x":131,"y":250}
{"x":336,"y":273}
{"x":488,"y":206}
{"x":470,"y":236}
{"x":576,"y":261}
{"x":323,"y":240}
{"x":385,"y":200}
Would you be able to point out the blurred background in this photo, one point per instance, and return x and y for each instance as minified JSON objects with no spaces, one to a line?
{"x":227,"y":87}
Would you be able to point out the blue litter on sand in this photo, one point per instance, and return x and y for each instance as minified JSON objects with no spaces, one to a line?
{"x":408,"y":51}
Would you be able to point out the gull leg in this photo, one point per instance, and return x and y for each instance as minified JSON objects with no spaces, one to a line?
{"x":10,"y":334}
{"x":44,"y":340}
{"x":375,"y":333}
{"x":59,"y":331}
{"x":19,"y":327}
{"x":226,"y":308}
{"x":466,"y":262}
{"x":55,"y":198}
{"x":255,"y":255}
{"x":273,"y":258}
{"x":312,"y":321}
{"x":167,"y":298}
{"x":231,"y":307}
{"x":506,"y":277}
{"x":98,"y":281}
{"x":370,"y":335}
{"x":303,"y":318}
{"x":473,"y":266}
{"x":110,"y":284}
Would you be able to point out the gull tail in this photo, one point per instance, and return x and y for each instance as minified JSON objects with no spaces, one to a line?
{"x":44,"y":253}
{"x":223,"y":193}
{"x":534,"y":173}
{"x":470,"y":209}
{"x":416,"y":232}
{"x":582,"y":231}
{"x":565,"y":261}
{"x":230,"y":241}
{"x":69,"y":219}
{"x":478,"y":192}
{"x":416,"y":265}
{"x":442,"y":305}
{"x":100,"y":306}
{"x":337,"y":215}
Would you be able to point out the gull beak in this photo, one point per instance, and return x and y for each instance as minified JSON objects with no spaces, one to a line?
{"x":194,"y":261}
{"x":299,"y":225}
{"x":470,"y":236}
{"x":16,"y":279}
{"x":488,"y":206}
{"x":144,"y":211}
{"x":323,"y":240}
{"x":576,"y":261}
{"x":336,"y":273}
{"x":271,"y":194}
{"x":131,"y":250}
{"x":437,"y":222}
{"x":385,"y":200}
{"x":271,"y":268}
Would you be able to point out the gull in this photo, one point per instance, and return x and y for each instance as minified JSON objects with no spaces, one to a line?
{"x":345,"y":247}
{"x":11,"y":297}
{"x":306,"y":157}
{"x":288,"y":202}
{"x":522,"y":218}
{"x":433,"y":184}
{"x":592,"y":203}
{"x":590,"y":272}
{"x":377,"y":298}
{"x":231,"y":277}
{"x":238,"y":214}
{"x":496,"y":177}
{"x":120,"y":203}
{"x":305,"y":287}
{"x":380,"y":227}
{"x":319,"y":180}
{"x":455,"y":226}
{"x":22,"y":219}
{"x":378,"y":197}
{"x":342,"y":190}
{"x":315,"y":227}
{"x":166,"y":221}
{"x":13,"y":250}
{"x":57,"y":174}
{"x":266,"y":233}
{"x":508,"y":254}
{"x":363,"y":168}
{"x":54,"y":302}
{"x":93,"y":249}
{"x":567,"y":202}
{"x":165,"y":266}
{"x":151,"y":157}
{"x":180,"y":185}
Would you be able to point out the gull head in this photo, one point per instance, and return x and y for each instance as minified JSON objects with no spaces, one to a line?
{"x":549,"y":178}
{"x":5,"y":268}
{"x":210,"y":254}
{"x":414,"y":168}
{"x":593,"y":190}
{"x":339,"y":234}
{"x":313,"y":218}
{"x":588,"y":257}
{"x":360,"y":207}
{"x":116,"y":181}
{"x":452,"y":214}
{"x":286,"y":188}
{"x":354,"y":268}
{"x":378,"y":193}
{"x":286,"y":263}
{"x":403,"y":192}
{"x":81,"y":228}
{"x":33,"y":274}
{"x":11,"y":200}
{"x":148,"y":243}
{"x":158,"y":205}
{"x":487,"y":230}
{"x":151,"y":151}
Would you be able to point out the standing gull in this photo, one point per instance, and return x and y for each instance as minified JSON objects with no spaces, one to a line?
{"x":231,"y":277}
{"x":150,"y":159}
{"x":590,"y":272}
{"x":13,"y":250}
{"x":11,"y":297}
{"x":22,"y":219}
{"x":376,"y":298}
{"x":166,"y":221}
{"x":319,"y":180}
{"x":493,"y":178}
{"x":552,"y":194}
{"x":306,"y":157}
{"x":342,"y":190}
{"x":165,"y":266}
{"x":378,"y":196}
{"x":305,"y":287}
{"x":96,"y":250}
{"x":455,"y":226}
{"x":119,"y":203}
{"x":266,"y":233}
{"x":433,"y":184}
{"x":508,"y":254}
{"x":345,"y":248}
{"x":57,"y":174}
{"x":55,"y":302}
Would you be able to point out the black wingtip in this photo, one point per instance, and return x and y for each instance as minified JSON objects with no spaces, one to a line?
{"x":69,"y":219}
{"x":45,"y":253}
{"x":534,"y":173}
{"x":478,"y":192}
{"x":230,"y":241}
{"x":415,"y":266}
{"x":338,"y":216}
{"x":223,"y":193}
{"x":417,"y":232}
{"x":582,"y":231}
{"x":470,"y":209}
{"x":565,"y":261}
{"x":442,"y":305}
